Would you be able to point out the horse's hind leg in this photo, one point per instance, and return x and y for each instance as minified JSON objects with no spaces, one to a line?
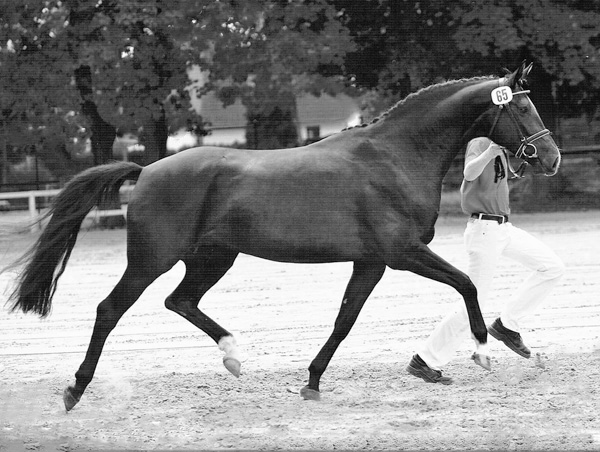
{"x":110,"y":310}
{"x":365,"y":277}
{"x":201,"y":274}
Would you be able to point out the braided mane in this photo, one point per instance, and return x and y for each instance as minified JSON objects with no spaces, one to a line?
{"x":424,"y":90}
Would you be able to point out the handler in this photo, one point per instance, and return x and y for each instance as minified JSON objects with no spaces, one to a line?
{"x":488,"y":235}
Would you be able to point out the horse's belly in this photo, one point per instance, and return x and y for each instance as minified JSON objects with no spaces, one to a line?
{"x":293,"y":236}
{"x":314,"y":253}
{"x":307,"y":248}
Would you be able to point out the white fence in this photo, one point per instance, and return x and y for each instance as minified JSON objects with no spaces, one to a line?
{"x":32,"y":195}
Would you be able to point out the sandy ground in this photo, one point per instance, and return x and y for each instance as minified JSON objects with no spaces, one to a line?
{"x":161,"y":385}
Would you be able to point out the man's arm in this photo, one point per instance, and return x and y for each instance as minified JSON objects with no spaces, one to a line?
{"x":474,"y":164}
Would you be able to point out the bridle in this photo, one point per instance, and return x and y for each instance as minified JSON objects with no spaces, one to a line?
{"x":527,"y":142}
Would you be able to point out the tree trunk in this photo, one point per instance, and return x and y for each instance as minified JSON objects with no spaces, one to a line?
{"x":102,"y":138}
{"x":272,"y":121}
{"x":154,"y":138}
{"x":103,"y":133}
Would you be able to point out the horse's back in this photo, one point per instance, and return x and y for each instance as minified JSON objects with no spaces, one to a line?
{"x":298,"y":205}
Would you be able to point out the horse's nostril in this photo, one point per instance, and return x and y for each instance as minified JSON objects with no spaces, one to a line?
{"x":554,"y":169}
{"x":556,"y":163}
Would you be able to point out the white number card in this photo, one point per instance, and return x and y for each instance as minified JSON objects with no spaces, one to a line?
{"x":502,"y":95}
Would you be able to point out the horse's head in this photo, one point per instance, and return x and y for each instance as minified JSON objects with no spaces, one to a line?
{"x":517,"y":126}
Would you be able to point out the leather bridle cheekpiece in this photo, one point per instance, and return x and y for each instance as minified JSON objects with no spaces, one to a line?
{"x":526,"y":141}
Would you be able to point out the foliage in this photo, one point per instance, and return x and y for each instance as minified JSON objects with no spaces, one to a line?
{"x":122,"y":65}
{"x":50,"y":42}
{"x":405,"y":45}
{"x":137,"y":52}
{"x":268,"y":53}
{"x":562,"y":37}
{"x":401,"y":45}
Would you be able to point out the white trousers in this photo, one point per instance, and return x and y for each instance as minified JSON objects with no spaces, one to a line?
{"x":485,"y":242}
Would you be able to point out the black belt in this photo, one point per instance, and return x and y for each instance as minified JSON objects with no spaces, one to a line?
{"x":486,"y":216}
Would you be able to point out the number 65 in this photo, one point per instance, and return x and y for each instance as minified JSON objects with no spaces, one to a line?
{"x":502,"y":95}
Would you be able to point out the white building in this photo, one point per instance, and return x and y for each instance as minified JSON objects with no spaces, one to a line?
{"x":317,"y":117}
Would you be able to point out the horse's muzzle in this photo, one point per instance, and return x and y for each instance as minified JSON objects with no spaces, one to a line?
{"x":554,"y":168}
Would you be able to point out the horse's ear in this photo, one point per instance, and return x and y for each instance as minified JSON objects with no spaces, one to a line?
{"x":526,"y":72}
{"x":515,"y":77}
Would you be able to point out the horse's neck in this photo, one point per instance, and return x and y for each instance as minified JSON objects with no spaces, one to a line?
{"x":434,"y":136}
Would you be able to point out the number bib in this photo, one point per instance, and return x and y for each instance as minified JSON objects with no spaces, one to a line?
{"x":502,"y":95}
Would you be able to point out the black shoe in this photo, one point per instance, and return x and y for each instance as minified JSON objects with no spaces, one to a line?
{"x":511,"y":338}
{"x":418,"y":368}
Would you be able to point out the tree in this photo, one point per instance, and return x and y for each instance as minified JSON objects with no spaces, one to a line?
{"x":268,"y":54}
{"x":401,"y":46}
{"x":122,"y":65}
{"x":128,"y":65}
{"x":561,"y":37}
{"x":405,"y":45}
{"x":26,"y":115}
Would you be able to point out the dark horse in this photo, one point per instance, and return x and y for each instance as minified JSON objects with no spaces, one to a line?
{"x":369,"y":194}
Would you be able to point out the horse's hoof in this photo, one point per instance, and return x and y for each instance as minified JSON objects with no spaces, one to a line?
{"x":70,"y":399}
{"x":482,"y":360}
{"x":233,"y":366}
{"x":310,"y":394}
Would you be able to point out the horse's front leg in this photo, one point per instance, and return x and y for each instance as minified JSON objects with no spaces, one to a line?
{"x":364,"y":278}
{"x":424,"y":262}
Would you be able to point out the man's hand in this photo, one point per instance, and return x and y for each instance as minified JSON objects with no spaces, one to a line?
{"x":475,"y":165}
{"x":494,"y":150}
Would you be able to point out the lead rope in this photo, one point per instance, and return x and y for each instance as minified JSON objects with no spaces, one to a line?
{"x":518,"y":174}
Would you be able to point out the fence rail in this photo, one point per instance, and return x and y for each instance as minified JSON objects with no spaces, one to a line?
{"x":32,"y":195}
{"x":582,"y":150}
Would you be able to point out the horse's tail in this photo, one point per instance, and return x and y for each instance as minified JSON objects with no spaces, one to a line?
{"x":45,"y":262}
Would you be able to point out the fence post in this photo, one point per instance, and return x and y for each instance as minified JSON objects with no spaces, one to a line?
{"x":32,"y":212}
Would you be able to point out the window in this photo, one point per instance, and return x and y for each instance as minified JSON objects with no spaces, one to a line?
{"x":313,"y":133}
